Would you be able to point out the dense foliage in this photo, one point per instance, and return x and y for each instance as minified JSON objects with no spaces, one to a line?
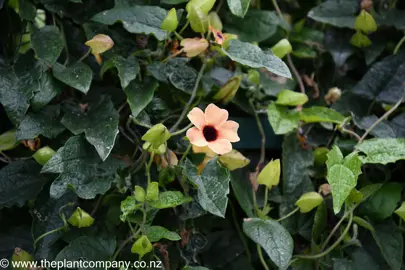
{"x":99,"y":159}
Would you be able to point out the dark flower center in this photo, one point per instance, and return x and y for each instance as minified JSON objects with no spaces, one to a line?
{"x":210,"y":133}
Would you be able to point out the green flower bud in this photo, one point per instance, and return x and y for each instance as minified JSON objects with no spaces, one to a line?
{"x":142,"y":246}
{"x":80,"y":218}
{"x":43,"y":155}
{"x":171,"y":22}
{"x":157,"y":135}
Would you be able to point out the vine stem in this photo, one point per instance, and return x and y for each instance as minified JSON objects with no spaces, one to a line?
{"x":240,"y":233}
{"x":261,"y":130}
{"x":332,"y":247}
{"x":182,"y":130}
{"x":399,"y":45}
{"x":148,"y":166}
{"x":333,"y":231}
{"x":46,"y":234}
{"x":379,"y":120}
{"x":289,"y":60}
{"x":289,"y":214}
{"x":190,"y":101}
{"x":185,"y":153}
{"x":259,"y":251}
{"x":84,"y":56}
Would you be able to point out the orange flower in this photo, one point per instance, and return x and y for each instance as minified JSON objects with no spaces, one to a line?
{"x":212,"y":129}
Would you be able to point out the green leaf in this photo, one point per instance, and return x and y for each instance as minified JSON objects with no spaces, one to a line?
{"x":204,"y":5}
{"x":282,"y":48}
{"x":239,"y":7}
{"x":382,"y":151}
{"x":243,"y":191}
{"x":212,"y":184}
{"x":20,"y":181}
{"x":156,"y":233}
{"x":291,"y":98}
{"x":281,"y":119}
{"x":383,"y":202}
{"x":270,"y":175}
{"x":252,"y":56}
{"x":27,"y":10}
{"x":360,"y":40}
{"x":152,"y":193}
{"x":401,"y":211}
{"x":136,"y":19}
{"x":43,"y":155}
{"x":8,"y":140}
{"x":198,"y":19}
{"x":47,"y":43}
{"x":317,"y":114}
{"x":80,"y":218}
{"x":309,"y":201}
{"x":233,"y":160}
{"x":129,"y":206}
{"x":337,"y":13}
{"x":335,"y":156}
{"x":140,"y":194}
{"x":44,"y":123}
{"x":272,"y":237}
{"x":383,"y":81}
{"x":142,"y":246}
{"x":320,"y":222}
{"x":353,"y":163}
{"x":169,"y":199}
{"x":389,"y":240}
{"x":341,"y":181}
{"x":365,"y":22}
{"x":47,"y":88}
{"x":195,"y":268}
{"x":382,"y":130}
{"x":127,"y":68}
{"x":170,"y":23}
{"x":370,"y":190}
{"x":139,"y":95}
{"x":78,"y":76}
{"x":91,"y":248}
{"x":99,"y":124}
{"x":255,"y":26}
{"x":18,"y":85}
{"x":80,"y":169}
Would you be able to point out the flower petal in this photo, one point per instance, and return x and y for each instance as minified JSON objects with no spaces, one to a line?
{"x":197,"y":117}
{"x":220,"y":146}
{"x":229,"y":131}
{"x":215,"y":116}
{"x":196,"y":137}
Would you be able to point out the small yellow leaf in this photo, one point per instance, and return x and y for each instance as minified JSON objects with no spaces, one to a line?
{"x":401,"y":211}
{"x":360,"y":40}
{"x":194,"y":46}
{"x":228,"y":91}
{"x":282,"y":48}
{"x":365,"y":22}
{"x":233,"y":160}
{"x":142,"y":246}
{"x":171,"y":22}
{"x":309,"y":201}
{"x":80,"y":218}
{"x":100,"y":43}
{"x":270,"y":175}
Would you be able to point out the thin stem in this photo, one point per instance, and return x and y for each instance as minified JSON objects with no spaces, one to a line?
{"x":354,"y":134}
{"x":261,"y":130}
{"x":84,"y":56}
{"x":185,"y":154}
{"x":379,"y":120}
{"x":184,"y":27}
{"x":182,"y":130}
{"x":240,"y":233}
{"x":333,"y":231}
{"x":125,"y":243}
{"x":277,"y":8}
{"x":266,"y":197}
{"x":396,"y":50}
{"x":148,"y":167}
{"x":136,"y":122}
{"x":255,"y":201}
{"x":289,"y":214}
{"x":296,"y":74}
{"x":99,"y":200}
{"x":122,"y":131}
{"x":46,"y":234}
{"x":190,"y":101}
{"x":332,"y":247}
{"x":178,"y":35}
{"x":259,"y":251}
